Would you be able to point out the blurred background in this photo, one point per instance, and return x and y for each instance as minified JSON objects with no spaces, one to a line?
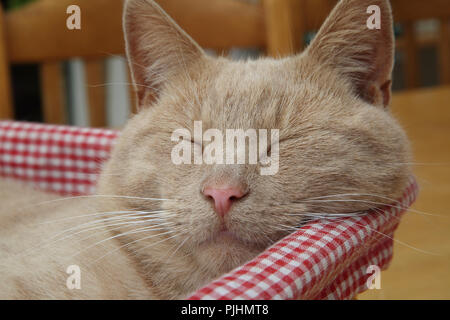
{"x":27,"y":82}
{"x":80,"y":77}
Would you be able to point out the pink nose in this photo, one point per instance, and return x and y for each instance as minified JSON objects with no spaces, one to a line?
{"x":223,"y":198}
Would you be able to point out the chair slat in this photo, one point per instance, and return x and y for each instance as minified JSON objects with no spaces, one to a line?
{"x":413,"y":10}
{"x":52,"y":91}
{"x":280,"y":27}
{"x":95,"y":81}
{"x":444,"y":54}
{"x":213,"y":23}
{"x":411,"y":68}
{"x":132,"y":93}
{"x":6,"y":106}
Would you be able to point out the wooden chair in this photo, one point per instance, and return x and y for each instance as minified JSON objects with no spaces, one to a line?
{"x":406,"y":12}
{"x":37,"y":33}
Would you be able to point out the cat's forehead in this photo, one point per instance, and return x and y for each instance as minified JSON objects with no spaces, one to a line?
{"x":251,"y":75}
{"x":261,"y":93}
{"x":244,"y":98}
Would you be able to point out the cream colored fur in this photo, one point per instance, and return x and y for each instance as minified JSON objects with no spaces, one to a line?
{"x":337,"y":137}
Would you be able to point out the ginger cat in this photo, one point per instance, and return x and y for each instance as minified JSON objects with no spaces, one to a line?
{"x":161,"y":230}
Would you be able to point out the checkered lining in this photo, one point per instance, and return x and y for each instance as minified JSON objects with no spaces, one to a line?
{"x":326,"y":259}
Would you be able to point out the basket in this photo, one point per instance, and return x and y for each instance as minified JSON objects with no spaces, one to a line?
{"x":325,"y":259}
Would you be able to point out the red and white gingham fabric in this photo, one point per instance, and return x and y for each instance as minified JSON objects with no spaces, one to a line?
{"x":325,"y":259}
{"x":60,"y":159}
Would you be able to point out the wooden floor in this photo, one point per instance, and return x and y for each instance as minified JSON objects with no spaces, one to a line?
{"x":423,"y":272}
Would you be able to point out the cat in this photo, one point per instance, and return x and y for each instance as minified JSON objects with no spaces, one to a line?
{"x":158,"y":230}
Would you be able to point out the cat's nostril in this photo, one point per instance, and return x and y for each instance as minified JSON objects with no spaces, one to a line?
{"x":223,"y":197}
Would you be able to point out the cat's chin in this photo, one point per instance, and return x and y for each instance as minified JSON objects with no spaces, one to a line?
{"x":225,"y":251}
{"x":227,"y":239}
{"x":224,"y":237}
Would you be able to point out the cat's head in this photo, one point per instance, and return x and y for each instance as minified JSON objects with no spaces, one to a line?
{"x":340,"y":150}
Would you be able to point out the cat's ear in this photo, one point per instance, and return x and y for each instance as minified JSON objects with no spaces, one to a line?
{"x":357,"y":40}
{"x":156,"y":47}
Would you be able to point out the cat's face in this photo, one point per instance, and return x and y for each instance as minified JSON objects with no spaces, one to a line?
{"x":336,"y":136}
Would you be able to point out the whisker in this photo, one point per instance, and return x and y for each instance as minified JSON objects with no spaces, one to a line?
{"x":54,"y":239}
{"x":142,"y":239}
{"x":102,"y":220}
{"x":398,"y":205}
{"x":100,"y":224}
{"x":373,"y":230}
{"x":95,"y":196}
{"x":96,"y":214}
{"x":120,"y":235}
{"x":181,"y":244}
{"x":320,"y":214}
